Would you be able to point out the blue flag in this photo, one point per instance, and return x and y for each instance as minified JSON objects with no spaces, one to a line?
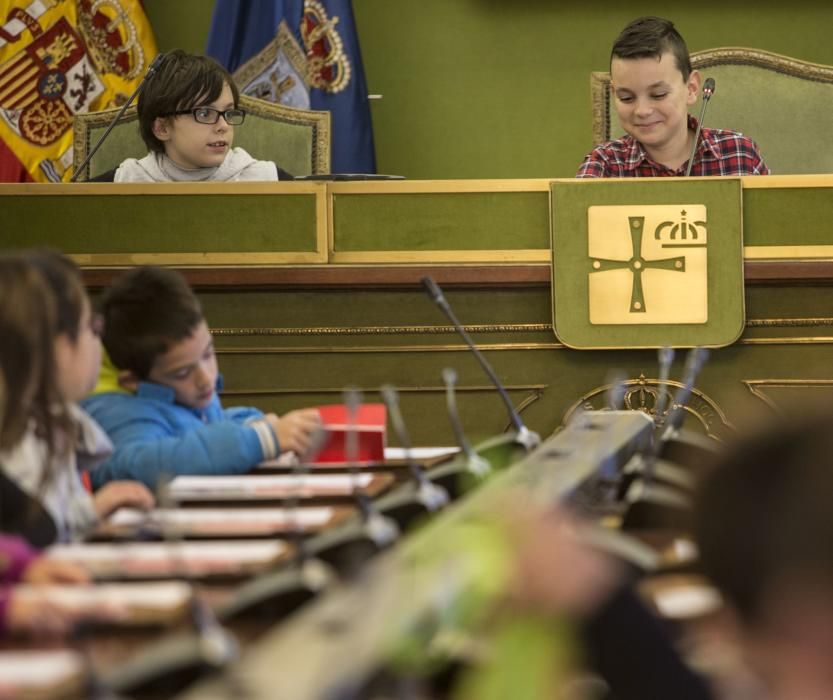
{"x":301,"y":53}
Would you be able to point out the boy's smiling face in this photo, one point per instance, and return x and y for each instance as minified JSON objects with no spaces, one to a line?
{"x":652,"y":101}
{"x":189,"y":367}
{"x":192,"y":145}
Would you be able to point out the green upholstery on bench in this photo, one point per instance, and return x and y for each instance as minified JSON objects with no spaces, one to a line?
{"x":297,"y":140}
{"x":783,"y":103}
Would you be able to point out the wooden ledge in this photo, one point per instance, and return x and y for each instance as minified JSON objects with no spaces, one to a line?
{"x":368,"y":276}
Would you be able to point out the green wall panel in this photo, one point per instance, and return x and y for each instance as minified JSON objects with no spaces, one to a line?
{"x":457,"y":221}
{"x":148,"y":223}
{"x":789,"y":216}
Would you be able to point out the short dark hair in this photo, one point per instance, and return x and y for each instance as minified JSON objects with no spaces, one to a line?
{"x":64,"y":279}
{"x":182,"y":81}
{"x":146,"y":311}
{"x":650,"y":37}
{"x":763,"y":516}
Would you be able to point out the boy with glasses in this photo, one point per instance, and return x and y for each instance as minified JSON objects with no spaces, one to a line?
{"x":187,"y":114}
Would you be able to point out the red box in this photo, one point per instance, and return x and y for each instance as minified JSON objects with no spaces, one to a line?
{"x":371,"y":423}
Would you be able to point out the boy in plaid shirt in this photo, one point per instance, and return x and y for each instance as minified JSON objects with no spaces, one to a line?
{"x":653,"y":86}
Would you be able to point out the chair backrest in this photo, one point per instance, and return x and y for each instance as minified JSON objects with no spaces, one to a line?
{"x":298,"y":140}
{"x":784,"y":104}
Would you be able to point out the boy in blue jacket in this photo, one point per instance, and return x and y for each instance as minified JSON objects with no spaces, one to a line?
{"x":164,"y":416}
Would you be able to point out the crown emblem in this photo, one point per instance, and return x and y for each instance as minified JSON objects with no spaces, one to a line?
{"x":683,"y":227}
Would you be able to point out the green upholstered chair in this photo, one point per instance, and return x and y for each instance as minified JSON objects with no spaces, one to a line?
{"x":784,"y":104}
{"x":297,"y":140}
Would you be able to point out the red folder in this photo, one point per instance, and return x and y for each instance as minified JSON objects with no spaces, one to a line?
{"x":370,"y":425}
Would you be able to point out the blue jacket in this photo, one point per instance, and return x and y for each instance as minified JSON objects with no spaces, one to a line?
{"x":154,"y":436}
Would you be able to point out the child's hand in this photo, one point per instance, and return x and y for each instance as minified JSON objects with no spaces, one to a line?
{"x":36,"y":614}
{"x":116,"y":494}
{"x":44,"y":570}
{"x":37,"y":610}
{"x":295,"y":429}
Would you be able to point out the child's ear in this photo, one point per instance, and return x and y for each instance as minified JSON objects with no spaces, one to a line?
{"x":162,"y":128}
{"x":693,"y":87}
{"x":128,"y":381}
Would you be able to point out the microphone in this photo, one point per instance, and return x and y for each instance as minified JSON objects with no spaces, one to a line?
{"x":431,"y":496}
{"x":380,"y":529}
{"x":708,"y":91}
{"x":524,"y":436}
{"x":695,"y":361}
{"x":475,"y":464}
{"x":666,"y":357}
{"x":217,"y":646}
{"x":152,"y":70}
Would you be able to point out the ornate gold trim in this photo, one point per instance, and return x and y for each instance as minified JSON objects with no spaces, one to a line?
{"x":397,"y":257}
{"x":755,"y":387}
{"x":756,"y":182}
{"x":441,"y":186}
{"x":788,"y":322}
{"x":788,"y":252}
{"x":283,"y":39}
{"x":474,"y":328}
{"x":320,"y":121}
{"x":385,"y":330}
{"x":450,"y":347}
{"x":163,"y":188}
{"x":817,"y":340}
{"x":473,"y":388}
{"x":379,"y":349}
{"x":119,"y":260}
{"x":652,"y":387}
{"x":82,"y":126}
{"x":738,"y":55}
{"x":600,"y":104}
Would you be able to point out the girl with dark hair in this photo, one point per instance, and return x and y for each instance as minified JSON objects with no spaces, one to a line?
{"x":48,"y":366}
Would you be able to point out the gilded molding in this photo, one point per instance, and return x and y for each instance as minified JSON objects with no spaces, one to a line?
{"x":758,"y":387}
{"x":536,"y":390}
{"x":378,"y":349}
{"x":383,"y":330}
{"x":789,"y":322}
{"x":642,"y":394}
{"x":462,"y":257}
{"x":736,"y":55}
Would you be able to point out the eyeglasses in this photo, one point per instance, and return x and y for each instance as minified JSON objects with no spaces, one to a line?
{"x":209,"y":115}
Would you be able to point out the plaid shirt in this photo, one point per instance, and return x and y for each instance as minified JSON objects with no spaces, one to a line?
{"x":719,"y":152}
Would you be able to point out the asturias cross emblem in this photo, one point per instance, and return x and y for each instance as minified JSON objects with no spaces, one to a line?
{"x":636,"y":264}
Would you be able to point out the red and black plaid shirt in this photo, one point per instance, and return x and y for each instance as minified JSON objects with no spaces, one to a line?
{"x":719,"y":152}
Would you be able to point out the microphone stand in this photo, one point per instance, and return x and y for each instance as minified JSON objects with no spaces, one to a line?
{"x":429,"y":495}
{"x":708,"y":90}
{"x":523,"y":436}
{"x":475,"y":464}
{"x":284,"y":590}
{"x":382,"y":531}
{"x":676,"y":412}
{"x":349,"y":546}
{"x":152,"y":69}
{"x":217,"y":646}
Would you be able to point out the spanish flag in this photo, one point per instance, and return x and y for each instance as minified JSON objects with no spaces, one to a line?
{"x":59,"y":58}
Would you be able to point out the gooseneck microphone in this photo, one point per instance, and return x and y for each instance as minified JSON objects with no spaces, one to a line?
{"x":152,"y":69}
{"x":431,"y":496}
{"x":475,"y":464}
{"x":708,"y":91}
{"x":524,"y":436}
